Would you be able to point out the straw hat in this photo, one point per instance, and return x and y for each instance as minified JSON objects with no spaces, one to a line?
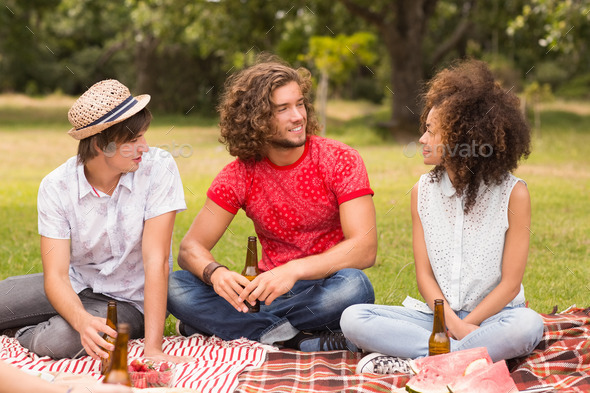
{"x":106,"y":103}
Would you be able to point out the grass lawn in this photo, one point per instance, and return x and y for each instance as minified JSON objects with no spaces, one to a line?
{"x":34,"y":142}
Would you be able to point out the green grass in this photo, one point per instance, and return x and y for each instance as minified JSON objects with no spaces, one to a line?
{"x":34,"y":142}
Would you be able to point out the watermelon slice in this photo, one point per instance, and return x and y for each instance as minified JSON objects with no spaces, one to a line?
{"x":434,"y":373}
{"x":491,"y":379}
{"x":453,"y":363}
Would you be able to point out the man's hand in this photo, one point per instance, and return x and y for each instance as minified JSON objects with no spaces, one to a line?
{"x":159,"y":356}
{"x":91,"y":329}
{"x":269,"y":285}
{"x":229,"y":284}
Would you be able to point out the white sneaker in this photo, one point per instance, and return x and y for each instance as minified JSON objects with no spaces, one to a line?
{"x":179,"y":328}
{"x":378,"y":363}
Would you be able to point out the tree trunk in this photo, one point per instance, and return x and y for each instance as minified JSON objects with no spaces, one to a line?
{"x":144,"y":59}
{"x":406,"y":75}
{"x":403,"y":40}
{"x":402,"y":25}
{"x":323,"y":100}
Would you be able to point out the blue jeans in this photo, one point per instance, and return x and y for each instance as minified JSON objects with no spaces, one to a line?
{"x":404,"y":332}
{"x":310,"y":305}
{"x":24,"y":305}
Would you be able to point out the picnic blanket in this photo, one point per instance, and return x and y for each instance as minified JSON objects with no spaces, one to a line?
{"x":562,"y":360}
{"x":215,"y":369}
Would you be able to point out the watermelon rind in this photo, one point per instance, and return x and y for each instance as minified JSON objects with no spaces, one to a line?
{"x":409,"y":389}
{"x":476,"y":365}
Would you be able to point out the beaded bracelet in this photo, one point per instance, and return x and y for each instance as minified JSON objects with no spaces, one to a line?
{"x":208,"y":272}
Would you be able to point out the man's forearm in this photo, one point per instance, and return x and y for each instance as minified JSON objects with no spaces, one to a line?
{"x":155,"y":298}
{"x":195,"y":259}
{"x":351,"y":253}
{"x":65,"y":300}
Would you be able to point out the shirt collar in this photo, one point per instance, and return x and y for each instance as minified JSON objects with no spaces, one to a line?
{"x":126,"y":180}
{"x":447,"y":185}
{"x":84,"y":187}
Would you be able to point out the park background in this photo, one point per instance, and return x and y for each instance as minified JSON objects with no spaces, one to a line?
{"x":369,"y":60}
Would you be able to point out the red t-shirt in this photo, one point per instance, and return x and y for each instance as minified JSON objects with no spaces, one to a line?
{"x":295,"y":207}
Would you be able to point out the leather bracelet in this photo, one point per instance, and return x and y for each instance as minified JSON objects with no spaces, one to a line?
{"x":208,"y":272}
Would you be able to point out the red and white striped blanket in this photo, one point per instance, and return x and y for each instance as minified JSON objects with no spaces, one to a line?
{"x":215,"y":369}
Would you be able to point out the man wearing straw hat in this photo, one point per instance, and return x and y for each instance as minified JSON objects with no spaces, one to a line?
{"x":105,"y":220}
{"x":312,"y":208}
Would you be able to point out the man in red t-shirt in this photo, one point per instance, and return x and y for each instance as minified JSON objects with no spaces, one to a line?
{"x":311,"y":204}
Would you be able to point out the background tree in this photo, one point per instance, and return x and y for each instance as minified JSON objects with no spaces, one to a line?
{"x":402,"y":26}
{"x":556,"y":33}
{"x":181,"y":51}
{"x":335,"y":58}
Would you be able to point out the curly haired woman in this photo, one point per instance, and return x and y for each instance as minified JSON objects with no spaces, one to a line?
{"x":471,"y":220}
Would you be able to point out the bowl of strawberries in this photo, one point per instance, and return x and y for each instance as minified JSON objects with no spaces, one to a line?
{"x":149,"y":374}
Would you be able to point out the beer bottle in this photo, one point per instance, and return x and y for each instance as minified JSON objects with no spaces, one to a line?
{"x":251,"y":269}
{"x":112,"y":322}
{"x":117,"y":372}
{"x":439,"y":342}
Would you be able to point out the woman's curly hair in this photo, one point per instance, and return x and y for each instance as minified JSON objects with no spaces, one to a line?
{"x":246,"y":108}
{"x":484,"y":132}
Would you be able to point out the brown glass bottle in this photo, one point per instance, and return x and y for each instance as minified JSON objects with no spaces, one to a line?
{"x":112,"y":323}
{"x":251,"y":269}
{"x":439,"y":342}
{"x":117,"y":372}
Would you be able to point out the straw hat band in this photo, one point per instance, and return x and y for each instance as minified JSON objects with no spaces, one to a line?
{"x":105,"y":104}
{"x":114,"y":113}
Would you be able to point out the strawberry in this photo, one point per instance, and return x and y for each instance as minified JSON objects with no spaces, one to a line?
{"x":136,"y":364}
{"x":165,"y":378}
{"x":151,"y":377}
{"x":140,"y":383}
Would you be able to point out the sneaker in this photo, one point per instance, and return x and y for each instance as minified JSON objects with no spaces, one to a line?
{"x":9,"y":332}
{"x":325,"y":340}
{"x":180,"y":328}
{"x":378,"y":363}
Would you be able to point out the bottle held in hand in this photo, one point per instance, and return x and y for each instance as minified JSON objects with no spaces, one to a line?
{"x":117,"y":372}
{"x":439,"y":341}
{"x":112,"y":323}
{"x":251,"y":269}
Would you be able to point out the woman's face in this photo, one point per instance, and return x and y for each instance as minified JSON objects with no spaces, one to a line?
{"x":432,"y":149}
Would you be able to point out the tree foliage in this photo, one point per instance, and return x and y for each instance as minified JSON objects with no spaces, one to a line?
{"x":181,"y":51}
{"x":335,"y":58}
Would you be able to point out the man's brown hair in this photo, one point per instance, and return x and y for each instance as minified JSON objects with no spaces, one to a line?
{"x":115,"y":135}
{"x":246,"y":108}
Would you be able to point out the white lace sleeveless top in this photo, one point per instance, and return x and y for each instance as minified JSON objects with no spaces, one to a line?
{"x":465,"y":250}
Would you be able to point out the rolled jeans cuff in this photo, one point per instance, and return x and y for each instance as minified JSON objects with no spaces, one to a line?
{"x":280,"y":331}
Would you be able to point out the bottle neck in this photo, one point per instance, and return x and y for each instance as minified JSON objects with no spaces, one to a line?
{"x":112,"y":315}
{"x":439,"y":318}
{"x":119,"y":360}
{"x":251,"y":267}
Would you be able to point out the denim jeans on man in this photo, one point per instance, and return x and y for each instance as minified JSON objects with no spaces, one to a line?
{"x":44,"y":332}
{"x":404,"y":332}
{"x":311,"y":305}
